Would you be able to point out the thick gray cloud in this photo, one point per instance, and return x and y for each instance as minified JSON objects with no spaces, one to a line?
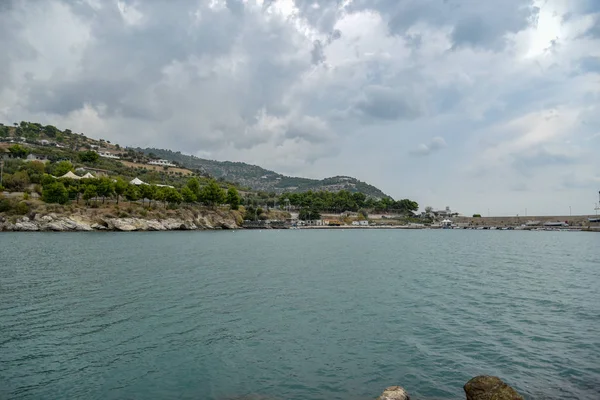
{"x":479,"y":23}
{"x":385,"y":103}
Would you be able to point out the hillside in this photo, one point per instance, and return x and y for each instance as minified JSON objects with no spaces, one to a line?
{"x":258,"y":178}
{"x":57,"y":144}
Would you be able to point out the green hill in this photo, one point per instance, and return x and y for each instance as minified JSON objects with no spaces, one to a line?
{"x":258,"y":178}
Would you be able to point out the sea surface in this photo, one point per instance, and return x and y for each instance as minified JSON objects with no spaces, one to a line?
{"x":298,"y":314}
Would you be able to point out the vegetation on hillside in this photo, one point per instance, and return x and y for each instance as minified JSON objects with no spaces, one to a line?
{"x":258,"y":178}
{"x":204,"y":182}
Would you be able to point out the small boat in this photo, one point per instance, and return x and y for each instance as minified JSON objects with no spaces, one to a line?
{"x":593,"y":219}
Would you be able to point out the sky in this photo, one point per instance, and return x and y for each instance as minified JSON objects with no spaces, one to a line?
{"x":485,"y":106}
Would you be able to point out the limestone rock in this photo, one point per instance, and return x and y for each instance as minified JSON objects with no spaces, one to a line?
{"x":394,"y":393}
{"x":154,"y":225}
{"x":99,"y":227}
{"x":122,"y":224}
{"x":490,"y":388}
{"x":68,"y":224}
{"x":26,"y":226}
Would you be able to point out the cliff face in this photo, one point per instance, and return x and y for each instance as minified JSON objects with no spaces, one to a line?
{"x":88,"y":220}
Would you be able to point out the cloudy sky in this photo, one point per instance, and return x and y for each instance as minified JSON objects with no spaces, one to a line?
{"x":474,"y":104}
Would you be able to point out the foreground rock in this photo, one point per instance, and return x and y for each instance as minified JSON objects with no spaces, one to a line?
{"x":490,"y":388}
{"x":394,"y":393}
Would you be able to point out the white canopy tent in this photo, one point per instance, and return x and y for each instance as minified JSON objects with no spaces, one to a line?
{"x":70,"y":175}
{"x":137,"y":181}
{"x":88,"y":176}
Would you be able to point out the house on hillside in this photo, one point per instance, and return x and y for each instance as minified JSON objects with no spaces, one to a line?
{"x":107,"y":154}
{"x":37,"y":157}
{"x":162,"y":163}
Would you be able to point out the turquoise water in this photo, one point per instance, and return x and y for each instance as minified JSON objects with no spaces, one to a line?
{"x":297,"y":314}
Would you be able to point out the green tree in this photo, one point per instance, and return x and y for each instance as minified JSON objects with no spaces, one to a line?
{"x":233,"y":198}
{"x":89,"y":156}
{"x":147,"y":192}
{"x":188,"y":195}
{"x":307,"y":214}
{"x":16,"y":150}
{"x":476,"y":215}
{"x":194,"y":185}
{"x":75,"y":189}
{"x":212,"y":194}
{"x":120,"y":188}
{"x":16,"y":182}
{"x":62,"y":168}
{"x":51,"y":131}
{"x":105,"y":188}
{"x":172,"y":195}
{"x":55,"y":193}
{"x":90,"y":192}
{"x":362,"y":214}
{"x":161,"y":194}
{"x":132,"y":192}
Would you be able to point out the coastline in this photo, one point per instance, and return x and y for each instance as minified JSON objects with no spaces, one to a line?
{"x":183,"y":220}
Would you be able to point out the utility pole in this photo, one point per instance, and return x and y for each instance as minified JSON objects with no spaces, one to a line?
{"x":570,"y":214}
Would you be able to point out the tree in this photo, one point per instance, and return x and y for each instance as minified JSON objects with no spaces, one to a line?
{"x":55,"y":193}
{"x":62,"y":168}
{"x":132,"y":192}
{"x":89,"y":156}
{"x":90,"y":192}
{"x":188,"y":195}
{"x":233,"y":198}
{"x":16,"y":150}
{"x":120,"y":188}
{"x":307,"y":214}
{"x":428,"y":209}
{"x":160,"y":194}
{"x":212,"y":194}
{"x":105,"y":188}
{"x":147,"y":192}
{"x":476,"y":215}
{"x":194,"y":186}
{"x":362,"y":214}
{"x":16,"y":182}
{"x":51,"y":131}
{"x":172,"y":195}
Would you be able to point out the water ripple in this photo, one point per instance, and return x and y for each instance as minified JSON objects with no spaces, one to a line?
{"x":297,"y":314}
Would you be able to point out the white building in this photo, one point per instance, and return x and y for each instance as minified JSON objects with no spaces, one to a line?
{"x":162,"y":163}
{"x":360,"y":223}
{"x":106,"y":154}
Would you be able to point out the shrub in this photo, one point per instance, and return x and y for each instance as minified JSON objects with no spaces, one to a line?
{"x":22,"y":208}
{"x":55,"y":193}
{"x":26,"y":196}
{"x":5,"y":205}
{"x":476,"y":215}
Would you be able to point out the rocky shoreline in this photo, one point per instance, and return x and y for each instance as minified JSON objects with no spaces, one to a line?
{"x":53,"y":222}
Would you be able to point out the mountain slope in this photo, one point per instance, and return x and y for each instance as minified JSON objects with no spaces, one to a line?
{"x":258,"y":178}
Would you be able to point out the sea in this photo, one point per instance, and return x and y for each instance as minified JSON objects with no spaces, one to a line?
{"x":298,"y":314}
